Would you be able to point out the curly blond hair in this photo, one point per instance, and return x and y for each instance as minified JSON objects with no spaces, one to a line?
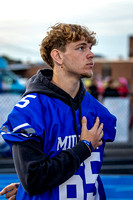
{"x":60,"y":35}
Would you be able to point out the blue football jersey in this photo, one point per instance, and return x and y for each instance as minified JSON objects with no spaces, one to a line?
{"x":41,"y":114}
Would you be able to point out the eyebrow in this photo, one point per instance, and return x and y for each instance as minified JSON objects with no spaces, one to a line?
{"x":81,"y":44}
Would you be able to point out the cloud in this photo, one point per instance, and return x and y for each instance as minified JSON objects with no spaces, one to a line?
{"x":23,"y":24}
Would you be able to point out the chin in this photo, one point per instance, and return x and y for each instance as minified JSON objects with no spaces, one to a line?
{"x":87,"y":75}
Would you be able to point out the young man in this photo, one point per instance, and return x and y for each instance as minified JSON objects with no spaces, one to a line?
{"x":56,"y":129}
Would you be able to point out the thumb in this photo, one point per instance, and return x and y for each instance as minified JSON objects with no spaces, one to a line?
{"x":84,"y":123}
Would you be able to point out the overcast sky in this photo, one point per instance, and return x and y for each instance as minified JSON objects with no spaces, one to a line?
{"x":23,"y":24}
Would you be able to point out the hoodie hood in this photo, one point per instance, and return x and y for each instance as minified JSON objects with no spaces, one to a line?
{"x":41,"y":83}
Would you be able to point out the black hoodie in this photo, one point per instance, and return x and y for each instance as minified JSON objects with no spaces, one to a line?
{"x":36,"y":172}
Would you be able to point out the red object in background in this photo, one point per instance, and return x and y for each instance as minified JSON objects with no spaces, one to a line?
{"x":123,"y":87}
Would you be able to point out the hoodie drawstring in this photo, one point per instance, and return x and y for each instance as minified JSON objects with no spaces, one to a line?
{"x":74,"y":117}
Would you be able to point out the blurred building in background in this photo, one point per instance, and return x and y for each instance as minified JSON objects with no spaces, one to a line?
{"x":112,"y":85}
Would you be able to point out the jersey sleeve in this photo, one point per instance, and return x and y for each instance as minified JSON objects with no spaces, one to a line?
{"x":24,"y":122}
{"x":109,"y":128}
{"x":109,"y":124}
{"x":108,"y":119}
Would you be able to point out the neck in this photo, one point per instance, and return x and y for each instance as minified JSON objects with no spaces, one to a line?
{"x":67,"y":83}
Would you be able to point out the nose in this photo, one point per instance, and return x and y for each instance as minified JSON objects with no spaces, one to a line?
{"x":90,"y":54}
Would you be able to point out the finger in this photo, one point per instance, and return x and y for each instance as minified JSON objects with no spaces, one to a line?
{"x":9,"y":188}
{"x":100,"y":142}
{"x":100,"y":129}
{"x":12,"y":198}
{"x":96,"y":124}
{"x":16,"y":185}
{"x":6,"y":189}
{"x":11,"y":193}
{"x":84,"y":123}
{"x":101,"y":135}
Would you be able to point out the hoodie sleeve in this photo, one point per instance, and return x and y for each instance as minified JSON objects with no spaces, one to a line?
{"x":37,"y":173}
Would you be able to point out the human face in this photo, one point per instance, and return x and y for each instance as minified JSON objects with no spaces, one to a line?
{"x":78,"y":59}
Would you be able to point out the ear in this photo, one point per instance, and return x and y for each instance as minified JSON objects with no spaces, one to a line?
{"x":56,"y":56}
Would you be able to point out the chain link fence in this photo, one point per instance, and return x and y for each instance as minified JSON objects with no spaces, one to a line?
{"x":7,"y":102}
{"x":120,"y":107}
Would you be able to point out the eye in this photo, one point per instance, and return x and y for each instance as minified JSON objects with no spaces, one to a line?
{"x":81,"y":48}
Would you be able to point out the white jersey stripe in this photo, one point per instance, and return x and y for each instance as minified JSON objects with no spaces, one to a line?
{"x":20,"y":126}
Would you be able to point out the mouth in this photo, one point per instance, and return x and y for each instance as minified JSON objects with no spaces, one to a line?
{"x":91,"y":65}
